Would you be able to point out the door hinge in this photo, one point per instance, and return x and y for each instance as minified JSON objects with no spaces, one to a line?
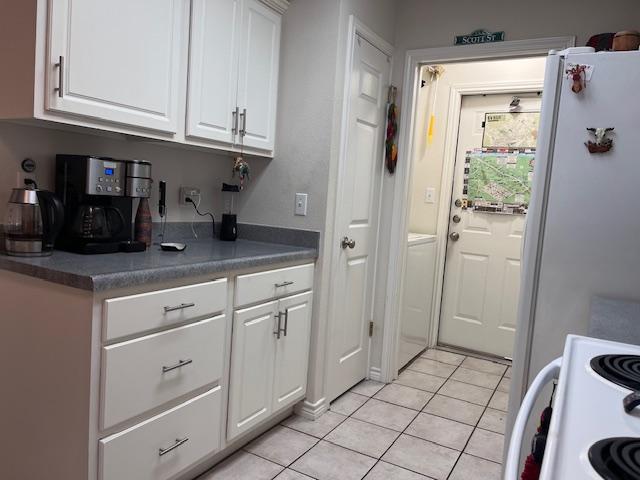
{"x":371,"y":329}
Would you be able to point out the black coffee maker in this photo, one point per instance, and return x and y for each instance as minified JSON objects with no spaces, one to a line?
{"x":97,"y":209}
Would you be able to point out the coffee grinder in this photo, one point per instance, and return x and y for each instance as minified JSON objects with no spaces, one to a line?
{"x":229,"y":227}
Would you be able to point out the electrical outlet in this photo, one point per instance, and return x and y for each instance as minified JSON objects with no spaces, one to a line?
{"x":301,"y":204}
{"x":189,"y":192}
{"x":430,"y":195}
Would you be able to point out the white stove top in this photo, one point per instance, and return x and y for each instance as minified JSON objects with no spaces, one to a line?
{"x":587,"y":408}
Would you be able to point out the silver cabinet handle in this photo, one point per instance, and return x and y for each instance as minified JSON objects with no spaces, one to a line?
{"x":283,"y":284}
{"x":182,"y":306}
{"x":60,"y":65}
{"x":286,"y":321}
{"x":180,"y":364}
{"x":234,"y":121}
{"x":179,"y":441}
{"x":348,"y":242}
{"x":278,"y":329}
{"x":243,"y":116}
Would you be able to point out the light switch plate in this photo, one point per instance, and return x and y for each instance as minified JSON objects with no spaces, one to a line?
{"x":430,"y":195}
{"x":301,"y":204}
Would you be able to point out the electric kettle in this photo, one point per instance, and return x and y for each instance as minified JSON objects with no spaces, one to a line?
{"x":33,"y":220}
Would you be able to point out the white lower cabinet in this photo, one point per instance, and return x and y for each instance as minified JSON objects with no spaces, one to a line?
{"x":269,"y":359}
{"x":252,"y":356}
{"x":166,"y":444}
{"x":292,"y":350}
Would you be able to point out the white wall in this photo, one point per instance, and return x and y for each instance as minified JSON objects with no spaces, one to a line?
{"x":177,"y":166}
{"x":428,"y":159}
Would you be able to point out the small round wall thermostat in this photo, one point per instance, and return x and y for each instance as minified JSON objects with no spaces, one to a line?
{"x":28,"y":165}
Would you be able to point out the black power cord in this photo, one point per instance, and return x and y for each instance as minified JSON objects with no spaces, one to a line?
{"x":213,"y":222}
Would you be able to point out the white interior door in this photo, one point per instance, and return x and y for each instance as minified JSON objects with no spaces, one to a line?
{"x":117,"y":60}
{"x":292,"y":350}
{"x":482,"y":268}
{"x":213,"y":69}
{"x":258,"y":77}
{"x":358,"y":208}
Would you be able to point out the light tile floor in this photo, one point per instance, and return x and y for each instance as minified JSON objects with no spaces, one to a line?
{"x":443,"y":419}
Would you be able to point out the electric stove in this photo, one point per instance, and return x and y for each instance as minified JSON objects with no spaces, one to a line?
{"x":594,"y":432}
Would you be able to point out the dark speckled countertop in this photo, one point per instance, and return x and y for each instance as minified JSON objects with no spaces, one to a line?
{"x":116,"y":270}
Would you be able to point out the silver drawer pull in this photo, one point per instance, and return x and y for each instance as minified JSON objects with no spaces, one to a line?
{"x":286,"y":321}
{"x":283,"y":284}
{"x":164,"y":451}
{"x":179,"y":307}
{"x":60,"y":87}
{"x":180,"y":364}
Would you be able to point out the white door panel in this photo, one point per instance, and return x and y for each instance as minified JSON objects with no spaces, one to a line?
{"x":258,"y":77}
{"x":482,"y":272}
{"x":358,"y":205}
{"x":252,"y":362}
{"x":213,"y":69}
{"x":121,"y":60}
{"x":292,"y":351}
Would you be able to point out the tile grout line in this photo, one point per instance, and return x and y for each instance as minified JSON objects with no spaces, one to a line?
{"x":475,"y":428}
{"x":403,"y":432}
{"x":408,"y":425}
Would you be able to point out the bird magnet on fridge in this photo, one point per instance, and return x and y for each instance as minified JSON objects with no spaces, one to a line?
{"x":602,"y":143}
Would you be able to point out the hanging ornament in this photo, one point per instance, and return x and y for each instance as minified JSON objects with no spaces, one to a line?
{"x":435,"y":72}
{"x":241,"y":168}
{"x":391,"y":149}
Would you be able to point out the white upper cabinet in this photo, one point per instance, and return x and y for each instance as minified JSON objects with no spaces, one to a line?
{"x":233,"y":72}
{"x":196,"y":72}
{"x":213,"y":70}
{"x":116,"y":60}
{"x":258,"y":76}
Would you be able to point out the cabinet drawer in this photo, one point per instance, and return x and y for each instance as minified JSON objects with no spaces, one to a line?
{"x":144,"y":451}
{"x":144,"y":373}
{"x":148,"y":311}
{"x":256,"y":287}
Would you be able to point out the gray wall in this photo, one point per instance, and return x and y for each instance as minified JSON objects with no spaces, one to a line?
{"x":178,"y":166}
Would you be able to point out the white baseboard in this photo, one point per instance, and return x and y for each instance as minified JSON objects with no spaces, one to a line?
{"x":312,"y":411}
{"x":375,"y":374}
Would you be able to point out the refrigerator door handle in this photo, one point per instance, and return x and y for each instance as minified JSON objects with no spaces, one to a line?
{"x":548,"y":373}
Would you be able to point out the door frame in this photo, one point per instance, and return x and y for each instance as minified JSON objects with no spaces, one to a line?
{"x":355,"y":29}
{"x":414,"y":60}
{"x":448,"y":173}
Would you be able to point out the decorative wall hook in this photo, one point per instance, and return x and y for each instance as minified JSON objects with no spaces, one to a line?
{"x":602,"y":143}
{"x":578,"y":76}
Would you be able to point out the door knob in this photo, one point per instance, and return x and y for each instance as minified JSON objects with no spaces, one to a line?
{"x":348,"y":243}
{"x":455,"y":236}
{"x":456,"y":219}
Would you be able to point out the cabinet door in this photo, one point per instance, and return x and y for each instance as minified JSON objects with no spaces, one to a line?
{"x":213,"y":69}
{"x":121,"y":60}
{"x":292,"y":350}
{"x":258,"y":80}
{"x":252,"y":356}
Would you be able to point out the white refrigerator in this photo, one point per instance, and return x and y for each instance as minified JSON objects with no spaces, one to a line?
{"x":582,"y":236}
